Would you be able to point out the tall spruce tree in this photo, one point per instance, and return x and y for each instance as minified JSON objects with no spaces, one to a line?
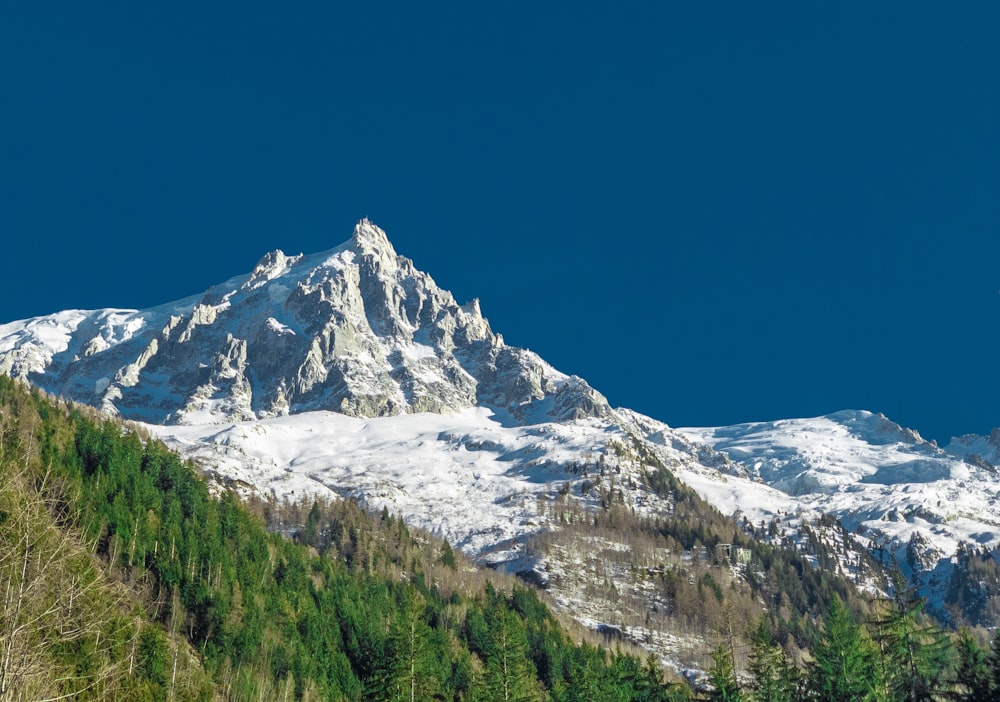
{"x":409,"y":671}
{"x":773,"y":676}
{"x":915,"y":656}
{"x":722,"y":676}
{"x":994,"y":660}
{"x":974,"y":677}
{"x":844,"y":666}
{"x":509,"y":676}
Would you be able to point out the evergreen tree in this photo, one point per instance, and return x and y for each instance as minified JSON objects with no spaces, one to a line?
{"x":974,"y":676}
{"x":773,"y":676}
{"x":843,"y":669}
{"x":994,"y":660}
{"x":915,"y":656}
{"x":408,"y":671}
{"x":509,"y":676}
{"x":310,"y":534}
{"x":722,"y":676}
{"x":644,"y":682}
{"x":448,"y":556}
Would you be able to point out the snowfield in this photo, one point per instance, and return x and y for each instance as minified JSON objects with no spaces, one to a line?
{"x":882,"y":481}
{"x":464,"y":476}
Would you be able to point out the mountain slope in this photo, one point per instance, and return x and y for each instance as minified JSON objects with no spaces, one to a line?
{"x":124,"y":579}
{"x":351,"y":373}
{"x":903,"y":497}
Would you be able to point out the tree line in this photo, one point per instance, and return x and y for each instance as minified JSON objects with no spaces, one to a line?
{"x":891,"y":652}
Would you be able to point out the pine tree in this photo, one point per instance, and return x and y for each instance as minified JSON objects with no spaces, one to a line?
{"x":643,"y":682}
{"x":974,"y":675}
{"x":843,"y":669}
{"x":915,"y":656}
{"x":509,"y":674}
{"x":448,"y":556}
{"x":722,"y":676}
{"x":408,"y":672}
{"x":310,"y":535}
{"x":773,"y":676}
{"x":994,"y":660}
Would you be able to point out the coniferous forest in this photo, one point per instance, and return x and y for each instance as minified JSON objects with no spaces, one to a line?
{"x":123,"y":577}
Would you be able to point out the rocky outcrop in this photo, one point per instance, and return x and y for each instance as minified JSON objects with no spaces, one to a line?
{"x":357,"y":329}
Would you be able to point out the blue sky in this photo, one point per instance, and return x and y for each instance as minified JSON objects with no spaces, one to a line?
{"x":713,"y":212}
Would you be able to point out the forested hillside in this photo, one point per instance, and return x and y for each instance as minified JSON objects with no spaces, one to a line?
{"x":678,"y":579}
{"x":123,"y":578}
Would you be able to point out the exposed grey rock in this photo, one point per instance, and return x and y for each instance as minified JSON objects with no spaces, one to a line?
{"x":357,"y":329}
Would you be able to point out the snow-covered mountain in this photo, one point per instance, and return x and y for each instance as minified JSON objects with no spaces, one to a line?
{"x":350,"y":372}
{"x":902,"y":496}
{"x":356,"y":330}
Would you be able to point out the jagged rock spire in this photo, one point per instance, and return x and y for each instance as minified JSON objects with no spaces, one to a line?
{"x":368,"y":236}
{"x":357,"y":329}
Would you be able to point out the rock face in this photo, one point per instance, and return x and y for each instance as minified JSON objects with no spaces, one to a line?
{"x":357,"y":330}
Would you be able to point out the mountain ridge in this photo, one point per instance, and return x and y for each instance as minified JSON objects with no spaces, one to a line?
{"x":356,"y":329}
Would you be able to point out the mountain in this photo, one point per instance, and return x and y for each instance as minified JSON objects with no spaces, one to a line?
{"x":980,"y":450}
{"x":356,"y":330}
{"x":351,"y":373}
{"x":346,"y":372}
{"x":902,"y":497}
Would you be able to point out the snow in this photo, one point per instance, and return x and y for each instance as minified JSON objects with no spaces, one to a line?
{"x":879,"y":479}
{"x":53,"y":332}
{"x":279,"y":328}
{"x":418,"y":352}
{"x":338,"y":258}
{"x":32,"y":344}
{"x":436,"y":470}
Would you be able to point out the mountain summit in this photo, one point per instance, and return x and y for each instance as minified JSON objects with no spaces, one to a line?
{"x":356,"y":329}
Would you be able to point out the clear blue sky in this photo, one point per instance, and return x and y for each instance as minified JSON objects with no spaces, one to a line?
{"x":714,"y":212}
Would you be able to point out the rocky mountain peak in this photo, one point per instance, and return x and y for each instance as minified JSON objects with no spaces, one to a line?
{"x":370,"y":238}
{"x":994,"y":438}
{"x":272,"y":265}
{"x":357,"y":330}
{"x":472,"y":307}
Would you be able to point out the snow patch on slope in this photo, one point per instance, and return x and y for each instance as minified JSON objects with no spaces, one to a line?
{"x":895,"y":491}
{"x":463,"y":476}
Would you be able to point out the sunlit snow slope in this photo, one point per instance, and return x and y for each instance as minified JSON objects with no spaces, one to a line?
{"x":464,"y":476}
{"x":883,"y":482}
